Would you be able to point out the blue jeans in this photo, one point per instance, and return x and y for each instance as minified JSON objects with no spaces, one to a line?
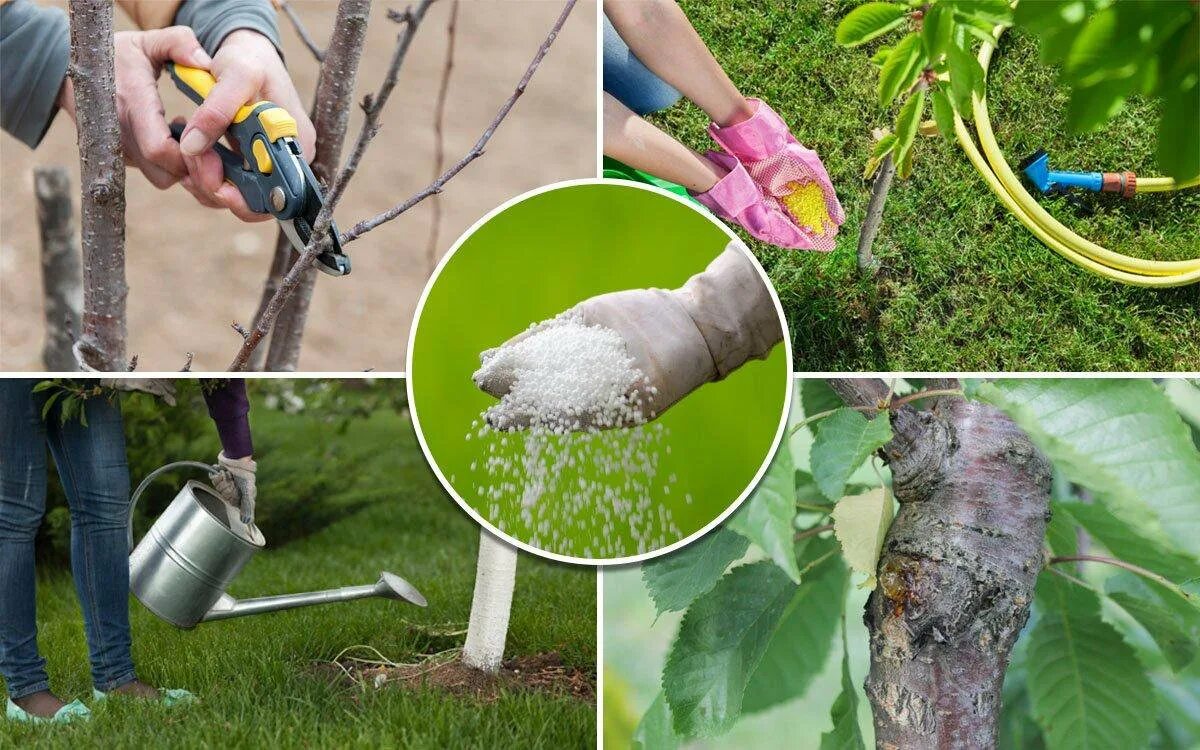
{"x":629,"y":80}
{"x":91,"y":464}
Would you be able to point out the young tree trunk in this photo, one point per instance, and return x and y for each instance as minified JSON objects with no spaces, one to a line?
{"x":334,"y":99}
{"x":495,"y":577}
{"x":102,"y":173}
{"x":62,"y":276}
{"x":957,"y":572}
{"x":882,"y":183}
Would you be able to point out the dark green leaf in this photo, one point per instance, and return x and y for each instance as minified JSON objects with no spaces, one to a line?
{"x":906,"y":126}
{"x":44,"y":385}
{"x":766,"y":517}
{"x":868,"y":21}
{"x":721,"y":641}
{"x":1178,"y":146}
{"x":654,"y":731}
{"x":966,"y":78}
{"x":901,"y":69}
{"x":1125,"y":543}
{"x":800,"y":645}
{"x":937,"y":30}
{"x":46,"y":407}
{"x":815,"y":394}
{"x":845,"y":734}
{"x":675,"y":580}
{"x":1092,"y":106}
{"x":1172,"y":623}
{"x":845,"y":441}
{"x":943,"y":113}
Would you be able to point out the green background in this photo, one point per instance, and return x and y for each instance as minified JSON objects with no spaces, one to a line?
{"x":538,"y":258}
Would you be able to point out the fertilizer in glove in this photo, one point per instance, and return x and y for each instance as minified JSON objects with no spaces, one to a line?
{"x":584,"y":463}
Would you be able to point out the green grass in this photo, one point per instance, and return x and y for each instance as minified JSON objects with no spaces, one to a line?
{"x":963,"y":285}
{"x":259,"y":677}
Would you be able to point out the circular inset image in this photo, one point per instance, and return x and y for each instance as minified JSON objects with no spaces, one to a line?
{"x":599,"y":371}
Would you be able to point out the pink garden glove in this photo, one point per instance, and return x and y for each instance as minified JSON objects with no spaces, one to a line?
{"x":790,"y":176}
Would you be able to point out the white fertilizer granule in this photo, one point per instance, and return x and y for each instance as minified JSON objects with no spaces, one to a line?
{"x":568,"y":462}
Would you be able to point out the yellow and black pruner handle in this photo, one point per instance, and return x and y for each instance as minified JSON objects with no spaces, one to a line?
{"x":270,"y":171}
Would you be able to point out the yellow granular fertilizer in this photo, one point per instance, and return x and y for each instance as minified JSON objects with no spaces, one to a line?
{"x":806,"y":203}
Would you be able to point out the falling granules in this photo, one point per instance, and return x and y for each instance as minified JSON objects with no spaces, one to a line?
{"x":569,"y":463}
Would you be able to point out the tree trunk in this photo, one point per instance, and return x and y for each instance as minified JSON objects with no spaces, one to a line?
{"x":957,"y":572}
{"x":102,"y":173}
{"x":62,"y":276}
{"x":334,"y":99}
{"x":867,"y":262}
{"x":495,"y":578}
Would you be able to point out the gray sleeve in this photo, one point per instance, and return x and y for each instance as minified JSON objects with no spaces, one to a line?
{"x":213,"y":20}
{"x":34,"y":52}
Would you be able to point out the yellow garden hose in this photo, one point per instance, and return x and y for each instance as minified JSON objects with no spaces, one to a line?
{"x":1079,"y":250}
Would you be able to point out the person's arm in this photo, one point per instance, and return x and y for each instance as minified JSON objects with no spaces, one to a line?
{"x":230,"y":411}
{"x":34,"y":53}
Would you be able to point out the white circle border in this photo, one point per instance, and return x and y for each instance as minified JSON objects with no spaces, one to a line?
{"x":544,"y":553}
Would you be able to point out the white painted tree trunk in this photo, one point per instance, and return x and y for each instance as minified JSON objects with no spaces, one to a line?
{"x":495,"y":577}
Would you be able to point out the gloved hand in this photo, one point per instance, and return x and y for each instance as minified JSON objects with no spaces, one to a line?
{"x":788,"y":174}
{"x":235,"y":483}
{"x":679,"y":339}
{"x":158,"y":387}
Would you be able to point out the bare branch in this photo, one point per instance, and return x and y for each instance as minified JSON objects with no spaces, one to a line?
{"x":102,"y":178}
{"x":476,"y":151}
{"x":187,"y":366}
{"x":298,"y":25}
{"x":62,"y":274}
{"x":439,"y":136}
{"x":238,"y":327}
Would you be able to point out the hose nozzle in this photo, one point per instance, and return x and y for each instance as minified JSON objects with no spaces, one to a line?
{"x":1037,"y":169}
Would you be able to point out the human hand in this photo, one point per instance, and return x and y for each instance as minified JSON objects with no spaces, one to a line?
{"x":677,"y":341}
{"x":145,"y":137}
{"x":248,"y":69}
{"x":235,"y":482}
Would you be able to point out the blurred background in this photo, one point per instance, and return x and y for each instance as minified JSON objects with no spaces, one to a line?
{"x":193,"y":270}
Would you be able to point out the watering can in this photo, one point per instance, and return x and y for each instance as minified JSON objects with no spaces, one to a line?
{"x":182,"y":566}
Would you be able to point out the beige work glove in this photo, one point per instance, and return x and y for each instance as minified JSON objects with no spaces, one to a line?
{"x":679,"y":339}
{"x":157,"y":387}
{"x":234,"y":481}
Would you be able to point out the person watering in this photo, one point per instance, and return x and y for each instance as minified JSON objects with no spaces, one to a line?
{"x":89,"y":451}
{"x":236,"y":40}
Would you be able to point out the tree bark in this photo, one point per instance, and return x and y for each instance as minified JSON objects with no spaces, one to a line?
{"x":491,"y":605}
{"x":62,"y":276}
{"x":102,"y":173}
{"x":957,"y":571}
{"x":331,"y":116}
{"x":870,"y":227}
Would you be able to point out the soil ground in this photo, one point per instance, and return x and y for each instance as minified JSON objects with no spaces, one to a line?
{"x":192,"y":270}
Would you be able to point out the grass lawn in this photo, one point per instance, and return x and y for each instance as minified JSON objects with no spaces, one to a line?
{"x":963,"y":285}
{"x":260,"y":678}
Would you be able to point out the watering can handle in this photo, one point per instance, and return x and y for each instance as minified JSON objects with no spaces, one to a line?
{"x":212,"y":470}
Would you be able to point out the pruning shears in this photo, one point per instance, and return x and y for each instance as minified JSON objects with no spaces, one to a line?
{"x":270,"y":171}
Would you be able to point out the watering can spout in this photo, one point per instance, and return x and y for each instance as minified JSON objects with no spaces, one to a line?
{"x":389,"y":586}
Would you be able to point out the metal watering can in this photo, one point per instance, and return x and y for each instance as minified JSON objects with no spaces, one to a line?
{"x":183,"y":565}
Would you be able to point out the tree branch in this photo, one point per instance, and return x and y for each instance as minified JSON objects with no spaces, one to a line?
{"x":102,"y":176}
{"x":439,"y":137}
{"x":298,"y":25}
{"x":476,"y":151}
{"x":62,"y":275}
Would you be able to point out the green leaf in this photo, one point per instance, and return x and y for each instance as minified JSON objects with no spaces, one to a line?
{"x":901,"y":69}
{"x":966,"y":78}
{"x":937,"y":30}
{"x":1125,"y":543}
{"x":943,"y":113}
{"x":1178,"y":147}
{"x":991,"y":12}
{"x":880,"y":56}
{"x":868,"y":21}
{"x":1172,"y":623}
{"x":675,"y":580}
{"x":721,"y":641}
{"x":846,"y":440}
{"x":43,"y":386}
{"x":46,"y":407}
{"x":1093,"y":46}
{"x":1122,"y":439}
{"x":1092,"y":106}
{"x":766,"y":517}
{"x":861,"y":522}
{"x":845,"y":734}
{"x":801,"y":643}
{"x":815,"y":394}
{"x":906,"y":126}
{"x":654,"y":731}
{"x":1087,"y":688}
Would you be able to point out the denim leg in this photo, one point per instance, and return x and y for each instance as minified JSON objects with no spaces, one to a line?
{"x":91,"y":462}
{"x":631,"y":82}
{"x":22,"y":505}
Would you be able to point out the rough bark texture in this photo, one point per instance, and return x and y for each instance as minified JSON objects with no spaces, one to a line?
{"x":957,"y":572}
{"x":491,"y":604}
{"x":331,"y":116}
{"x":102,"y":173}
{"x":874,"y":217}
{"x":62,"y":274}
